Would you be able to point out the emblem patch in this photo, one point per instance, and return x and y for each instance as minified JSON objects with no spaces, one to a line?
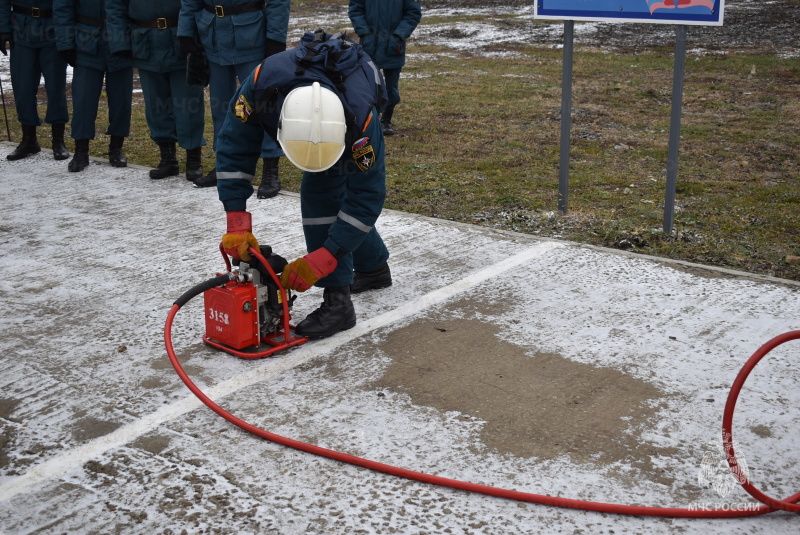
{"x":242,"y":109}
{"x":363,"y":154}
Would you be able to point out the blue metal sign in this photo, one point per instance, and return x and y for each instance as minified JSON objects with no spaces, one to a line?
{"x":697,"y":12}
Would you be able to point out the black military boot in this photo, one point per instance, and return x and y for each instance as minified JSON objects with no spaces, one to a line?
{"x":115,"y":156}
{"x":194,"y":164}
{"x":336,"y":314}
{"x":29,"y":145}
{"x":386,"y":122}
{"x":168,"y":166}
{"x":80,"y":160}
{"x":270,"y":183}
{"x":376,"y":279}
{"x":60,"y":151}
{"x":208,"y":181}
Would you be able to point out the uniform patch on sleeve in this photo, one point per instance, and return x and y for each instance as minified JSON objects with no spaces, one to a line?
{"x":363,"y":154}
{"x":242,"y":109}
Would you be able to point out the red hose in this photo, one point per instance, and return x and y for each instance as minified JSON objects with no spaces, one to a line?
{"x":727,"y":425}
{"x":463,"y":485}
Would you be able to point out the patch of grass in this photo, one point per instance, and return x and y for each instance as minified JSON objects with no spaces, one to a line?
{"x":738,"y":169}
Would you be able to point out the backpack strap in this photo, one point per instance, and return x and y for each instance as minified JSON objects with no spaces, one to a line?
{"x":311,"y":51}
{"x":332,"y":55}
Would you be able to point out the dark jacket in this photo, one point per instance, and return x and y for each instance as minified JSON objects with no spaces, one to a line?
{"x":33,"y":32}
{"x":80,"y":25}
{"x":130,"y":28}
{"x":233,"y":39}
{"x":383,"y":26}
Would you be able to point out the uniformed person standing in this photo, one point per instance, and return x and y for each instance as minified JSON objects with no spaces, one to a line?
{"x":82,"y":40}
{"x":26,"y":27}
{"x":327,"y":123}
{"x":147,"y":31}
{"x":383,"y":26}
{"x":236,"y":35}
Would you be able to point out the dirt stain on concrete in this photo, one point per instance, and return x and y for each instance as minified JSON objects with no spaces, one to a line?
{"x":534,"y":405}
{"x":152,"y":443}
{"x":89,"y":428}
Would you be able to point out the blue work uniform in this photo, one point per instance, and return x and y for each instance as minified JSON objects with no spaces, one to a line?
{"x":383,"y":26}
{"x":34,"y":56}
{"x":81,"y":26}
{"x":340,"y":205}
{"x":233,"y":34}
{"x":148,"y":30}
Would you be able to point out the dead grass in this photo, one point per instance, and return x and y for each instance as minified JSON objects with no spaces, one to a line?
{"x":480,"y":144}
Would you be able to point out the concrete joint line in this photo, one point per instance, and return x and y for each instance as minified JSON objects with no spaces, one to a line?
{"x":77,"y":457}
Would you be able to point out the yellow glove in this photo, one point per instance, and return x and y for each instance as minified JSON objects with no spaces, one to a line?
{"x":304,"y":272}
{"x":239,"y":236}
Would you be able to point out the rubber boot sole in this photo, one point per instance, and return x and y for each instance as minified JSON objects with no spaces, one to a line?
{"x":346,"y":327}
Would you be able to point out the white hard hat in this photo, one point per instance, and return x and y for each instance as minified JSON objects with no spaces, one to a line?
{"x":312,"y":127}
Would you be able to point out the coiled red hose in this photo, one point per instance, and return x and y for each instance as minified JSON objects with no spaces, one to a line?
{"x":770,"y":504}
{"x":789,"y":504}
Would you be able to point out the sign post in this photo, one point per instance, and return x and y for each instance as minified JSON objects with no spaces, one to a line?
{"x":680,"y":12}
{"x":675,"y":127}
{"x":566,"y":118}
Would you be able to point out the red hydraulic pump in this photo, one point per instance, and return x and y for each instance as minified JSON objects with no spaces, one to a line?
{"x":246,"y":308}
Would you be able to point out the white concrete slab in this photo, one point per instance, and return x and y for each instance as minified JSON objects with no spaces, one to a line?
{"x":100,"y":436}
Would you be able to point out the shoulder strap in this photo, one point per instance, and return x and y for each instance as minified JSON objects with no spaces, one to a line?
{"x":332,"y":46}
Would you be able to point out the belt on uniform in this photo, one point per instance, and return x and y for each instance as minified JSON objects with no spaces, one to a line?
{"x":34,"y":12}
{"x":161,"y":24}
{"x":89,"y":21}
{"x":224,"y":11}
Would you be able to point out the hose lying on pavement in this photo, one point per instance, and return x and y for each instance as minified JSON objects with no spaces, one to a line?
{"x":770,"y":504}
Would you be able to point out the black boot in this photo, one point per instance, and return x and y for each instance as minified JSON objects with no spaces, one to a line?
{"x":29,"y":145}
{"x":60,"y":151}
{"x":115,"y":156}
{"x":80,"y":160}
{"x":336,"y":314}
{"x":376,"y":279}
{"x":168,"y":166}
{"x":208,"y":181}
{"x":386,"y":122}
{"x":194,"y":164}
{"x":270,"y":183}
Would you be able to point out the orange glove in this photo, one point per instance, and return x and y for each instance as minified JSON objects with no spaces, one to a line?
{"x":301,"y":274}
{"x":240,"y":235}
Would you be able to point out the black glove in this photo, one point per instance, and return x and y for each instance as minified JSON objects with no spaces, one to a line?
{"x":6,"y":42}
{"x":127,"y":54}
{"x":197,"y":71}
{"x":188,"y":45}
{"x":70,"y":56}
{"x":273,"y":47}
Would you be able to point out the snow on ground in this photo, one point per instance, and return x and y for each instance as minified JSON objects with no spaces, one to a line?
{"x":100,"y":436}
